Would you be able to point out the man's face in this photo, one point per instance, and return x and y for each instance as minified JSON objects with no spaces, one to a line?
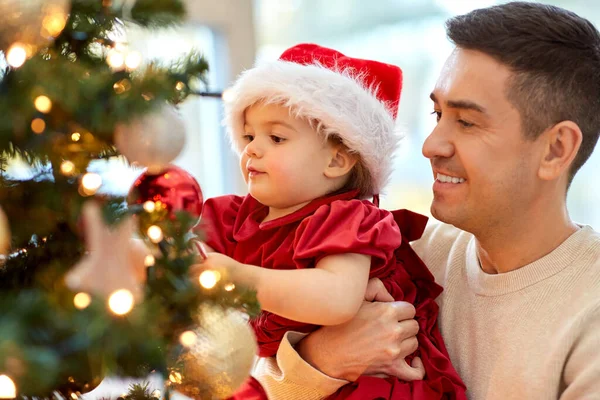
{"x":485,"y":170}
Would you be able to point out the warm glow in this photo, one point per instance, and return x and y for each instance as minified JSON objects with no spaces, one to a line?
{"x":54,"y":23}
{"x":149,"y":206}
{"x":180,"y":86}
{"x":149,"y":260}
{"x":75,"y":136}
{"x":155,"y":233}
{"x":115,"y":59}
{"x":208,"y":279}
{"x":16,"y":55}
{"x":82,"y":300}
{"x":120,"y":302}
{"x":187,"y":338}
{"x":43,"y":104}
{"x":133,"y":60}
{"x":38,"y":125}
{"x":175,"y":377}
{"x":91,"y":182}
{"x":230,"y":287}
{"x":227,"y":95}
{"x":73,"y":396}
{"x":67,"y":167}
{"x":8,"y":390}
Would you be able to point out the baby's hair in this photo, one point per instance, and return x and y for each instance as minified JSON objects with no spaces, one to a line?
{"x":359,"y":177}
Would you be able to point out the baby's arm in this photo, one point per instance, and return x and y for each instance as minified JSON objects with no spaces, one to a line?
{"x":329,"y":294}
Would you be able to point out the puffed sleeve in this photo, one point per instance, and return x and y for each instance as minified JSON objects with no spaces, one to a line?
{"x":218,"y":219}
{"x":347,"y":226}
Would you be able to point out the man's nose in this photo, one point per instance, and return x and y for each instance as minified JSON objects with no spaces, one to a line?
{"x":438,"y":144}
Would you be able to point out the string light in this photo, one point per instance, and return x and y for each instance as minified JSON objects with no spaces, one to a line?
{"x":175,"y":377}
{"x":82,"y":300}
{"x":149,"y":206}
{"x":122,"y":86}
{"x":155,"y":233}
{"x":54,"y":23}
{"x":188,"y":338}
{"x":121,"y":302}
{"x":16,"y":55}
{"x":229,"y":287}
{"x":208,"y":279}
{"x":43,"y":104}
{"x":75,"y":136}
{"x":115,"y":59}
{"x":133,"y":60}
{"x":90,"y":183}
{"x":8,"y":390}
{"x":227,"y":95}
{"x":180,"y":86}
{"x":67,"y":167}
{"x":149,"y":260}
{"x":38,"y":125}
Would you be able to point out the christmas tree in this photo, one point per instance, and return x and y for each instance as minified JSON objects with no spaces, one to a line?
{"x":93,"y":285}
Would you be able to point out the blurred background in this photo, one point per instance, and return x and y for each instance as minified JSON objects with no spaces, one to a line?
{"x":235,"y":34}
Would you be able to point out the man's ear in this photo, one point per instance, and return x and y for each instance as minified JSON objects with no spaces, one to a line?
{"x":562,"y":143}
{"x":340,"y":163}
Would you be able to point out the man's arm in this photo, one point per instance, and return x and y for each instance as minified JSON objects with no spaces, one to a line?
{"x":582,"y":370}
{"x":375,"y":341}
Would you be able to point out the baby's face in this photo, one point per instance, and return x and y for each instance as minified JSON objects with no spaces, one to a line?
{"x":284,"y":159}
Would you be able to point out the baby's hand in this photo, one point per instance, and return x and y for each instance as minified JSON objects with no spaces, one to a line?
{"x":215,"y":261}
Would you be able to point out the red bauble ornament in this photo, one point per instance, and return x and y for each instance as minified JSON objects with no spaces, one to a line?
{"x":173,"y":186}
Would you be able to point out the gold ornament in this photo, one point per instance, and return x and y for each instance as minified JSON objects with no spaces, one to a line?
{"x":114,"y":261}
{"x":31,"y":23}
{"x":5,"y":237}
{"x":221,"y":357}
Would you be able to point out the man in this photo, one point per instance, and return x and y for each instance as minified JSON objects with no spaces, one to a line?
{"x":517,"y":108}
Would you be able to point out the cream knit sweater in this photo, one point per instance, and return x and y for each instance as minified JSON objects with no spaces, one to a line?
{"x":533,"y":333}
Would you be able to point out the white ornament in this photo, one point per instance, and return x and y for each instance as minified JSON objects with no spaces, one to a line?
{"x":31,"y":22}
{"x":153,"y":140}
{"x":114,"y":261}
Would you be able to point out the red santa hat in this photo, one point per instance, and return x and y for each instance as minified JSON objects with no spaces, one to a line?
{"x":354,"y":99}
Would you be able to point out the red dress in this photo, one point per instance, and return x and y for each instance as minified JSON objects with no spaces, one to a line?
{"x":333,"y":225}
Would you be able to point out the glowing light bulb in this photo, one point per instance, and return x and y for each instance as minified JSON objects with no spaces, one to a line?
{"x":155,"y":233}
{"x":8,"y":390}
{"x":67,"y":167}
{"x":121,"y":302}
{"x":91,"y":182}
{"x":227,"y":95}
{"x":180,"y":86}
{"x":149,"y":206}
{"x":43,"y":104}
{"x":38,"y":125}
{"x":149,"y":260}
{"x":230,"y":287}
{"x":133,"y":60}
{"x":175,"y":377}
{"x":16,"y":55}
{"x":82,"y":300}
{"x":188,"y":338}
{"x":115,"y":59}
{"x":75,"y":136}
{"x":208,"y":279}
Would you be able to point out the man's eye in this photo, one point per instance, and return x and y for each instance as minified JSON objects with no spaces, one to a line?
{"x":465,"y":123}
{"x":438,"y":115}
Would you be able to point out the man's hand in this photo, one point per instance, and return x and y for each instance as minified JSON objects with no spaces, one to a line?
{"x":376,"y":341}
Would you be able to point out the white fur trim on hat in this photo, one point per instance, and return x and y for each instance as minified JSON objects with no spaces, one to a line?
{"x":338,"y":100}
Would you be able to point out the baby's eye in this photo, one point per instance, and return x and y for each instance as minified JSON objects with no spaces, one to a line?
{"x":248,"y":137}
{"x":277,"y":139}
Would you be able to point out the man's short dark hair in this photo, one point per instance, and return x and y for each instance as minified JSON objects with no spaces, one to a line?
{"x":555,"y":58}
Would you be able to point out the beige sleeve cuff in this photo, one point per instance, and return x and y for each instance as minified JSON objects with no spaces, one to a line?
{"x":288,"y":376}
